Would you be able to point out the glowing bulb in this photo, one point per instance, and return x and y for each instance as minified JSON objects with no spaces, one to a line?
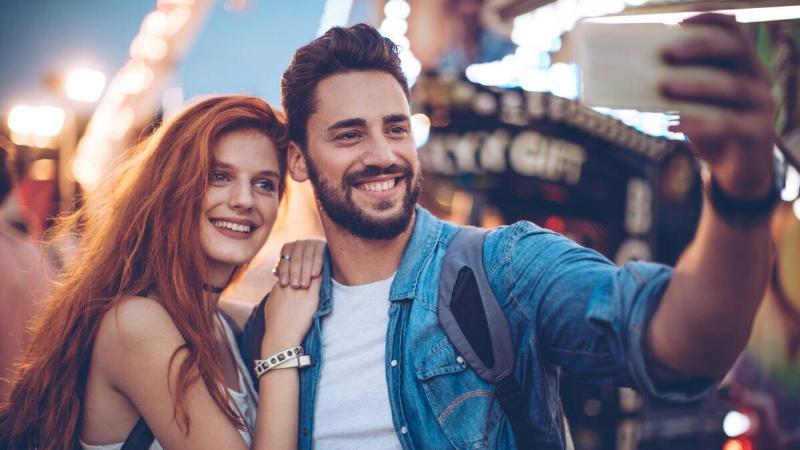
{"x":136,"y":78}
{"x":85,"y":85}
{"x":177,"y":18}
{"x":44,"y":121}
{"x":791,"y":188}
{"x":156,"y":23}
{"x":735,"y":424}
{"x":796,"y":208}
{"x":420,"y":128}
{"x":147,"y":46}
{"x":397,"y":8}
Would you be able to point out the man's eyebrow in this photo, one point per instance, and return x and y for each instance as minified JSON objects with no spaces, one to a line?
{"x":346,"y":123}
{"x":395,"y":118}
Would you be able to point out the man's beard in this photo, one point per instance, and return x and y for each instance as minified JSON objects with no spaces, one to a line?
{"x":337,"y":202}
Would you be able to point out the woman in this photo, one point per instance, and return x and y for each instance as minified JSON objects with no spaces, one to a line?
{"x":133,"y":331}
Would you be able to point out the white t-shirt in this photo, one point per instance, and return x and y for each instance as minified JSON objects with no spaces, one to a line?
{"x":352,"y":406}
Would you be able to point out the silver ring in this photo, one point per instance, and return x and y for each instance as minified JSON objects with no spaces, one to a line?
{"x":286,"y":257}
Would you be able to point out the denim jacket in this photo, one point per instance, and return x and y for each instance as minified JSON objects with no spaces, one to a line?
{"x":568,"y":307}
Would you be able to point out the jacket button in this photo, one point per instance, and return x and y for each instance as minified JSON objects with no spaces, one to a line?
{"x":393,"y":363}
{"x":403,"y":430}
{"x":460,"y":360}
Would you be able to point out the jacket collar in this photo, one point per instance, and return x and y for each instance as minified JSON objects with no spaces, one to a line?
{"x":417,"y":252}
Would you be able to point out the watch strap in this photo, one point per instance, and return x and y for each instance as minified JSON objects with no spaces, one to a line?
{"x":742,"y":213}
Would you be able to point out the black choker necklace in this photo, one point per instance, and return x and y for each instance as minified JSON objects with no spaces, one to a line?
{"x":212,"y":289}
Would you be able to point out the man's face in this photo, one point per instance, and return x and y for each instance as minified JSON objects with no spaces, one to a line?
{"x":360,"y":154}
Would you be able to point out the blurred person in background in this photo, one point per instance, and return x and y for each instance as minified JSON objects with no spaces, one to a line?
{"x":24,"y":276}
{"x":132,"y":343}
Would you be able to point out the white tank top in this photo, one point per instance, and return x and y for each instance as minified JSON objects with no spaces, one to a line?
{"x":246,"y":400}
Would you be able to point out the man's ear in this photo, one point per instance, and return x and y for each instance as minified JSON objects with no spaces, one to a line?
{"x":297,"y":163}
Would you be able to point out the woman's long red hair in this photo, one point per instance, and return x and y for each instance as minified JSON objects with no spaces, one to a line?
{"x":139,"y":234}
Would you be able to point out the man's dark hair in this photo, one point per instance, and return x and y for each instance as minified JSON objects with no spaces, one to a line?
{"x":339,"y":50}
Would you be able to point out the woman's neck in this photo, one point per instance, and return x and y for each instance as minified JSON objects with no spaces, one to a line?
{"x":218,"y":277}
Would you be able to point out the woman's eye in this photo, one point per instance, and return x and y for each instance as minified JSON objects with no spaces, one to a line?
{"x":265,"y":185}
{"x":219,"y":176}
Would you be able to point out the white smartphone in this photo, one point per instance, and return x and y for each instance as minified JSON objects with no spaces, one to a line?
{"x":621,"y":65}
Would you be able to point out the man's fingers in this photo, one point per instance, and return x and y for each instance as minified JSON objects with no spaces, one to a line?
{"x":709,"y":130}
{"x":714,"y":47}
{"x":717,"y":88}
{"x":715,"y":40}
{"x":726,"y":21}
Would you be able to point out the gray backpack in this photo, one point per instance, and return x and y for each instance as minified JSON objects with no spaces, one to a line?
{"x":478,"y":329}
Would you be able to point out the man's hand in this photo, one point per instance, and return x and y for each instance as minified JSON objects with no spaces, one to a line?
{"x":732,"y":126}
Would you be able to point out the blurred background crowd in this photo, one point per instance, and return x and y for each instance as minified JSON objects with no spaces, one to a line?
{"x":501,"y":132}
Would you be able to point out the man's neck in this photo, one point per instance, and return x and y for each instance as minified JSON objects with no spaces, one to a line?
{"x":356,"y":261}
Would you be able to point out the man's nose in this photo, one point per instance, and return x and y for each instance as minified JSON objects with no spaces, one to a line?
{"x":380,"y":153}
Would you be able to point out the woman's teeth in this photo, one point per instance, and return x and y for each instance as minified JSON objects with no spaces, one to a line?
{"x":231,"y":226}
{"x":378,"y":186}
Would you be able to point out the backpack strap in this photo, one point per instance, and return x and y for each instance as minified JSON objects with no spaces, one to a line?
{"x":250,"y":339}
{"x":478,"y":329}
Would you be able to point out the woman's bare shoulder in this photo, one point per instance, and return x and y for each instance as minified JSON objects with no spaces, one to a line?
{"x":136,"y":327}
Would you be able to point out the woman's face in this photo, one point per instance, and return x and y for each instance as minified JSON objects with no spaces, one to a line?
{"x":242,"y":199}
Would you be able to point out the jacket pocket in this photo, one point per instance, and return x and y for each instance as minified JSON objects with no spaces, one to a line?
{"x":464,"y":405}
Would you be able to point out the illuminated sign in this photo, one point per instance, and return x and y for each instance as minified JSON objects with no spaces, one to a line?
{"x":528,"y":153}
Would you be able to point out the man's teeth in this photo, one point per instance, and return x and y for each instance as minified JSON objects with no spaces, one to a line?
{"x":231,"y":226}
{"x":378,"y":186}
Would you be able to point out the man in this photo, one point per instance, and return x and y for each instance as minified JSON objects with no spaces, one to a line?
{"x":385,"y":374}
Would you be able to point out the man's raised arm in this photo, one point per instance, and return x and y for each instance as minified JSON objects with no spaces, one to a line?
{"x":707,"y":311}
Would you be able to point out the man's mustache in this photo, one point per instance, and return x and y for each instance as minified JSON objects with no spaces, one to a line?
{"x":374,"y":171}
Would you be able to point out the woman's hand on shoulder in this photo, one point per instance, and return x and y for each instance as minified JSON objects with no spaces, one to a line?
{"x":300,"y":262}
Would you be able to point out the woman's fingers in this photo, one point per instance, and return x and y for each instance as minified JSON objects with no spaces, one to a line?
{"x":308,"y":262}
{"x":296,"y":264}
{"x":300,"y":262}
{"x":319,"y":257}
{"x":313,"y":252}
{"x":283,"y":267}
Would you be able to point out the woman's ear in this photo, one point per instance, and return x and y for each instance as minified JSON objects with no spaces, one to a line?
{"x":297,"y":163}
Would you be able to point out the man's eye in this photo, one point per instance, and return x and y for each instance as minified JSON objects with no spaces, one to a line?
{"x":265,"y":185}
{"x":219,"y":176}
{"x":398,"y":130}
{"x":349,"y":135}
